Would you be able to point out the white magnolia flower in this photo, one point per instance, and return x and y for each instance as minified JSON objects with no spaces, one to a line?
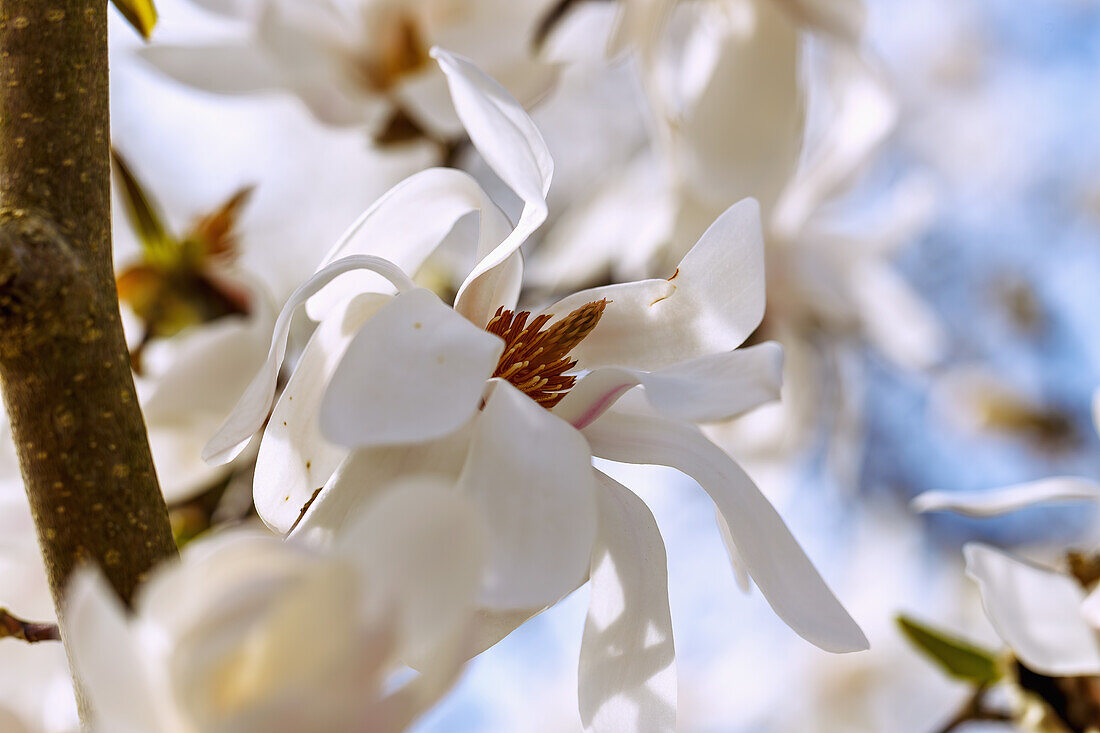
{"x":358,"y":62}
{"x":779,"y":101}
{"x":1047,"y":616}
{"x":250,"y":633}
{"x":392,"y":385}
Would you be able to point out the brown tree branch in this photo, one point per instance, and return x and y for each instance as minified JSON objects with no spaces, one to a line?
{"x":28,"y":631}
{"x":64,"y":367}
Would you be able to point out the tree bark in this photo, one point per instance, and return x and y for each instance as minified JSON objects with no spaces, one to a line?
{"x":64,"y":367}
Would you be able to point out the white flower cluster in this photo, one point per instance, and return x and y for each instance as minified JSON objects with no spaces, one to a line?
{"x":421,"y":451}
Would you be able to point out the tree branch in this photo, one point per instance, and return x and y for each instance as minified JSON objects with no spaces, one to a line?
{"x":64,"y":367}
{"x":28,"y":631}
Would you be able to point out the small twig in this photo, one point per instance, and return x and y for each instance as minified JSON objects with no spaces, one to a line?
{"x":28,"y":631}
{"x":974,"y":709}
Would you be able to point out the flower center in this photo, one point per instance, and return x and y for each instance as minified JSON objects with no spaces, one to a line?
{"x":398,"y":49}
{"x":536,"y":358}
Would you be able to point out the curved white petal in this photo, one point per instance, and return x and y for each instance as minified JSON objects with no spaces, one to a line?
{"x":1037,"y":612}
{"x":864,"y":112}
{"x":228,"y":619}
{"x":106,"y":659}
{"x":498,"y":287}
{"x":711,"y":304}
{"x":740,"y":574}
{"x":206,"y":367}
{"x":490,"y":626}
{"x":706,"y":389}
{"x":294,"y":459}
{"x":364,"y":473}
{"x":771,"y":555}
{"x":405,"y":225}
{"x":530,"y":474}
{"x":736,"y":108}
{"x":420,"y":547}
{"x":177,"y":455}
{"x":993,"y":502}
{"x":414,"y":372}
{"x":252,"y":408}
{"x":498,"y":126}
{"x":509,"y":142}
{"x":619,"y":229}
{"x":627,"y":676}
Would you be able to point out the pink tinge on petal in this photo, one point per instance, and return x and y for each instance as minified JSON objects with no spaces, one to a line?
{"x":600,"y":405}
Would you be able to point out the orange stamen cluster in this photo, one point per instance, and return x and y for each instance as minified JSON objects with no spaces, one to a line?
{"x":536,"y":360}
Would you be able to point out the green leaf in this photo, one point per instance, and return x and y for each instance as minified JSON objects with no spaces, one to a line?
{"x":957,"y":657}
{"x":142,"y":15}
{"x":143,"y":216}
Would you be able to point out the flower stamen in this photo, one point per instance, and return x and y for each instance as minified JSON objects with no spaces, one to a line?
{"x":535,"y":360}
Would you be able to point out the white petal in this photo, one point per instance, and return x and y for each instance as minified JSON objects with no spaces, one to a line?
{"x":619,"y":230}
{"x":706,"y":389}
{"x":711,"y":304}
{"x":627,"y":676}
{"x":252,"y":408}
{"x":531,"y":476}
{"x":420,"y":547}
{"x":414,"y":372}
{"x":222,"y":69}
{"x":497,"y":287}
{"x":498,"y":126}
{"x":740,"y":573}
{"x":294,"y":459}
{"x":1037,"y":612}
{"x":366,"y":472}
{"x":490,"y":626}
{"x":405,"y":225}
{"x":509,"y":142}
{"x":177,"y":454}
{"x":205,"y":368}
{"x":771,"y":555}
{"x":105,"y":657}
{"x":865,"y":112}
{"x":740,"y":100}
{"x":993,"y":502}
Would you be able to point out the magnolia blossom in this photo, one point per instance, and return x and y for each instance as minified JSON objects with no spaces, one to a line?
{"x":364,"y":62}
{"x":1049,"y":617}
{"x":250,"y":633}
{"x":497,"y":402}
{"x":777,"y":100}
